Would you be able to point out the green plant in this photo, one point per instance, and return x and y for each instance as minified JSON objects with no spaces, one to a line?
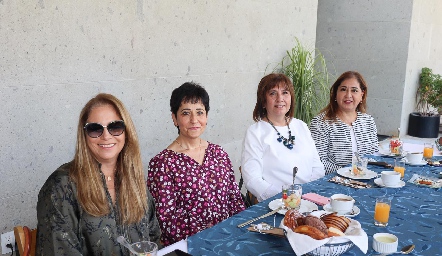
{"x":429,"y":93}
{"x":308,"y":71}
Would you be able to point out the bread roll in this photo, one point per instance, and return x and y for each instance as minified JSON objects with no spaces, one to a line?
{"x":316,"y":222}
{"x":333,"y":220}
{"x":293,"y":218}
{"x":332,"y":231}
{"x":311,"y":232}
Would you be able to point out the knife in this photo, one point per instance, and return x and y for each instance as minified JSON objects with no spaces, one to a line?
{"x":383,"y":164}
{"x":260,"y":217}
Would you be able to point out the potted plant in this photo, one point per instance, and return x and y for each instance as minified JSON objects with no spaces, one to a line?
{"x":425,"y":122}
{"x":308,"y":71}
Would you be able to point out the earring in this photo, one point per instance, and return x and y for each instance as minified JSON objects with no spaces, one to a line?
{"x":335,"y":100}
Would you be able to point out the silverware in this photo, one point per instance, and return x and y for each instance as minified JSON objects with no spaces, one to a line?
{"x":295,"y":171}
{"x":260,"y":217}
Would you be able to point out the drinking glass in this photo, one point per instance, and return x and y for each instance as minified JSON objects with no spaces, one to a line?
{"x":359,"y":165}
{"x":382,"y":211}
{"x":428,"y":151}
{"x":291,"y":196}
{"x":399,"y":166}
{"x":145,"y":248}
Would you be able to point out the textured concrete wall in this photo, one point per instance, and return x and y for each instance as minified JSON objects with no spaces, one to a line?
{"x":371,"y":37}
{"x":388,"y":42}
{"x":56,"y":55}
{"x":425,"y":50}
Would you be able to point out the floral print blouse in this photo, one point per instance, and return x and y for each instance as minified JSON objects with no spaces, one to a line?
{"x":64,"y":228}
{"x":190,"y":197}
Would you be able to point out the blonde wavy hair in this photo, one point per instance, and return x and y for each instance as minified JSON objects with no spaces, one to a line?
{"x":132,"y":199}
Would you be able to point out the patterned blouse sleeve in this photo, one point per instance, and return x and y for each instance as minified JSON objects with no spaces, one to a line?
{"x":236,"y":202}
{"x":319,"y":131}
{"x":161,"y":186}
{"x":57,"y":215}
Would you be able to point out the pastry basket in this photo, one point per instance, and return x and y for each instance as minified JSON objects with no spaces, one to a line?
{"x":332,"y":249}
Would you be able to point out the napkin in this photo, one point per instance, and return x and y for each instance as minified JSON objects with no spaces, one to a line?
{"x":303,"y":244}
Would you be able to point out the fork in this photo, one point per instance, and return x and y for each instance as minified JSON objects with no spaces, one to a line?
{"x":260,"y":217}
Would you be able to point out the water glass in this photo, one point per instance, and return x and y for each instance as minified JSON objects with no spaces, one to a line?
{"x":145,"y":248}
{"x":382,"y":211}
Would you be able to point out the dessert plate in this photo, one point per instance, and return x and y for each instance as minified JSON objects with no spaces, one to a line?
{"x":389,"y":154}
{"x":306,"y":206}
{"x":379,"y":182}
{"x":346,"y":172}
{"x":355,"y":212}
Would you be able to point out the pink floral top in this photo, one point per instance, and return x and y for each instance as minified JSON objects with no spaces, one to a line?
{"x":190,"y":197}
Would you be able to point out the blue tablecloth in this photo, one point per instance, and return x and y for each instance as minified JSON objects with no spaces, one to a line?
{"x":415,"y":218}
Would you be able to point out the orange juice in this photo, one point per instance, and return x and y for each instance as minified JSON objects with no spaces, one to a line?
{"x":400,"y":170}
{"x":382,"y":212}
{"x":428,"y":153}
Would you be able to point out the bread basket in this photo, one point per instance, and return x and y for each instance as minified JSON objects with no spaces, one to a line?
{"x":332,"y":249}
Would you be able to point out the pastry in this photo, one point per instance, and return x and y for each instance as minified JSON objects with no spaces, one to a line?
{"x":316,"y":222}
{"x":335,"y":221}
{"x":311,"y":232}
{"x":332,"y":231}
{"x":293,"y":218}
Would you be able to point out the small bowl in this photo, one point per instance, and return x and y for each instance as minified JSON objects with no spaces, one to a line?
{"x":385,"y":243}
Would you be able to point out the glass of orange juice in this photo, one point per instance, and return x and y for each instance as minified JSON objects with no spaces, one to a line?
{"x":382,"y":211}
{"x":399,"y":166}
{"x":428,"y":151}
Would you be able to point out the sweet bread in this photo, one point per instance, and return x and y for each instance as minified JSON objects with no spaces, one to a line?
{"x":332,"y":231}
{"x":333,"y":220}
{"x":316,"y":223}
{"x":293,"y":218}
{"x":311,"y":232}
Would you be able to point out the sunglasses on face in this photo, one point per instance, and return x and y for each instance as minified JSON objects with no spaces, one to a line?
{"x":95,"y":130}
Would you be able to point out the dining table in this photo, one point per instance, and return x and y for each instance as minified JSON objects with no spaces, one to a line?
{"x":415,"y":216}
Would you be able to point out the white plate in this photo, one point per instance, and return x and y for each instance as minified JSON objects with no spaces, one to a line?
{"x":389,"y":154}
{"x":346,"y":172}
{"x":356,"y":210}
{"x":423,"y":162}
{"x":379,"y":182}
{"x":306,"y":206}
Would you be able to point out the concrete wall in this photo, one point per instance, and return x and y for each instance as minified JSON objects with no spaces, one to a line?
{"x":56,"y":55}
{"x":425,"y":49}
{"x":388,"y":42}
{"x":371,"y":37}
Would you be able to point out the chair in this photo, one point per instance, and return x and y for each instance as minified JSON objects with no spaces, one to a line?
{"x":26,"y":240}
{"x":249,"y":199}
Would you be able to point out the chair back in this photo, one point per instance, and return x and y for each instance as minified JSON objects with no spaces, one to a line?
{"x":249,"y":199}
{"x":26,"y":240}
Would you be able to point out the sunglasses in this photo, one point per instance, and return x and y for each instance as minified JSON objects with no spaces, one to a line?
{"x":95,"y":130}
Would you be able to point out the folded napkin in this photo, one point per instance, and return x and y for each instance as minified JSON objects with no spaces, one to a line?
{"x":303,"y":244}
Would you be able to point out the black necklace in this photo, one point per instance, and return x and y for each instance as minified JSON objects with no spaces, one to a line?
{"x":287,"y":142}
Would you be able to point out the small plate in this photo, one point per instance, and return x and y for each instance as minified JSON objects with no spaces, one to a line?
{"x":379,"y":182}
{"x":346,"y":172}
{"x":306,"y":206}
{"x":355,"y":211}
{"x":423,"y":162}
{"x":389,"y":154}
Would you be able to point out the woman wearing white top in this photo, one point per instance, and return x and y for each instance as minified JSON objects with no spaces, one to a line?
{"x":277,"y":142}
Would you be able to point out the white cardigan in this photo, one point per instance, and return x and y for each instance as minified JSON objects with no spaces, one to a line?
{"x":267,"y":164}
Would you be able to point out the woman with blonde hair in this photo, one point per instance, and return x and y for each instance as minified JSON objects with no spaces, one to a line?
{"x":101,"y":194}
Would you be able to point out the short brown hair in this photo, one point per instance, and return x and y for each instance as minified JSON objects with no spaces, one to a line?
{"x":267,"y":83}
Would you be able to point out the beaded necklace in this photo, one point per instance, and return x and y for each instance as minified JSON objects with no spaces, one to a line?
{"x":288,"y":143}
